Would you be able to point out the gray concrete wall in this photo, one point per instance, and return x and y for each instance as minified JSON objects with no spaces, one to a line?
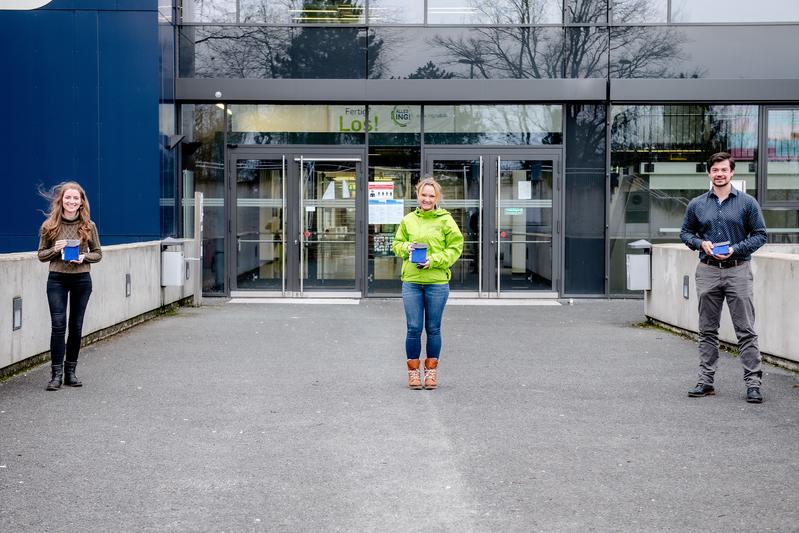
{"x":25,"y":276}
{"x":776,"y":288}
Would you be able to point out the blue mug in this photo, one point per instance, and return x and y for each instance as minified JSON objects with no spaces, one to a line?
{"x":71,"y":251}
{"x":419,"y":253}
{"x":721,"y":248}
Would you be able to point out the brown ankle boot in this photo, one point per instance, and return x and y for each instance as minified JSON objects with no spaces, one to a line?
{"x":414,"y":376}
{"x":430,"y":373}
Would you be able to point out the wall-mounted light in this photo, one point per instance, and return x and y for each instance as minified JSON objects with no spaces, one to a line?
{"x":16,"y":305}
{"x":127,"y":285}
{"x":685,"y":285}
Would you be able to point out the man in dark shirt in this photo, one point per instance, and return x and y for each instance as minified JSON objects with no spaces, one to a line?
{"x":725,"y":215}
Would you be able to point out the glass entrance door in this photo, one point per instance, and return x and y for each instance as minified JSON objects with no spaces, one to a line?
{"x":505,"y":202}
{"x":524,"y":229}
{"x":461,"y":185}
{"x":328,"y":223}
{"x":296,"y":226}
{"x":259,"y":225}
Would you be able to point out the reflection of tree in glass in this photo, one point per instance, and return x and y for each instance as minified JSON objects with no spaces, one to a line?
{"x":328,"y":11}
{"x":245,"y":52}
{"x":212,"y":10}
{"x":291,"y":52}
{"x":644,"y":52}
{"x":496,"y":124}
{"x":331,"y":53}
{"x":430,"y":71}
{"x":552,"y":52}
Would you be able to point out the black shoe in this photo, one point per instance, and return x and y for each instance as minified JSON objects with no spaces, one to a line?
{"x":701,"y":390}
{"x":753,"y":395}
{"x":57,"y":373}
{"x":70,"y":379}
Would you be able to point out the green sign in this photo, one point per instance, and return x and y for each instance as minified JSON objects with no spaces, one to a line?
{"x":513,"y":211}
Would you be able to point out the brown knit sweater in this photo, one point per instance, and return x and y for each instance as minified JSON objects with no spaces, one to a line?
{"x":69,"y":230}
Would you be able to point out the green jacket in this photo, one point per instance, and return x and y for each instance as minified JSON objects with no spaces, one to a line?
{"x":444,"y":240}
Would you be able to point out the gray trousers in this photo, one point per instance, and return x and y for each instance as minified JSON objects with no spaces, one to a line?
{"x":713,"y":286}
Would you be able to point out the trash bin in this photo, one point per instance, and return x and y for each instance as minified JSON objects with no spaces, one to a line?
{"x":173,"y":263}
{"x":639,"y":265}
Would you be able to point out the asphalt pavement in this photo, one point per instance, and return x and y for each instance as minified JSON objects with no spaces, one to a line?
{"x":286,"y":417}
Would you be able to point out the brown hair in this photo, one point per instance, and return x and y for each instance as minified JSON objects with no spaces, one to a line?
{"x":429,"y":180}
{"x":55,"y":195}
{"x":718,"y":157}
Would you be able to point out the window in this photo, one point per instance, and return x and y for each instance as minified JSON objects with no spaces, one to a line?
{"x":639,"y":11}
{"x":271,"y":12}
{"x":493,"y":124}
{"x":298,"y":124}
{"x":782,"y":156}
{"x":396,"y":11}
{"x":734,"y":11}
{"x":203,"y":157}
{"x":494,"y":12}
{"x":658,"y":155}
{"x":713,"y":52}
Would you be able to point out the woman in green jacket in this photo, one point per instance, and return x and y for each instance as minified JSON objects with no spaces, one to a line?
{"x":434,"y":236}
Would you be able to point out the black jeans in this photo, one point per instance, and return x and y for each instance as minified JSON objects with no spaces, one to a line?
{"x":78,"y":287}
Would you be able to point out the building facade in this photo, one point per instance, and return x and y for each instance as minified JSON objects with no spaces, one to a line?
{"x":561,"y":130}
{"x":82,"y":81}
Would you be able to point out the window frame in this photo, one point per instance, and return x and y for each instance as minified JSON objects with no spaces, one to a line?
{"x":762,"y":160}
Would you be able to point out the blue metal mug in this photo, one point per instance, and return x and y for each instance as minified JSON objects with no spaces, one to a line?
{"x":419,"y":253}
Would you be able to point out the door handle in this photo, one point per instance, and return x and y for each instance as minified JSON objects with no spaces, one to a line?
{"x":296,"y":242}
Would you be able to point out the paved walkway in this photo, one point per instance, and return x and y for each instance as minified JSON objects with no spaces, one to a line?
{"x":284,"y":417}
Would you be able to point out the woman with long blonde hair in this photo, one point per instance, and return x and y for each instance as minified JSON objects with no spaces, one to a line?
{"x":429,"y":242}
{"x":68,"y":240}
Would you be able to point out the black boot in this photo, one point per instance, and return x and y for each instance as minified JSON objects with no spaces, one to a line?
{"x":57,"y":374}
{"x":70,"y":379}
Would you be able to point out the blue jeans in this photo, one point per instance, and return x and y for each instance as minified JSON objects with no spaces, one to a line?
{"x":424,"y":307}
{"x":78,"y":287}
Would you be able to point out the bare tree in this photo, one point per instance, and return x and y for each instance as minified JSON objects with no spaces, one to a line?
{"x":288,"y":52}
{"x":502,"y":51}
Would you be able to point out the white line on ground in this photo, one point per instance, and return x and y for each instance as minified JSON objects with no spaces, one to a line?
{"x":482,"y":301}
{"x":328,"y":301}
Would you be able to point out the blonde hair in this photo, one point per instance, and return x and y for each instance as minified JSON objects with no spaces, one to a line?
{"x":430,"y":180}
{"x":55,"y":195}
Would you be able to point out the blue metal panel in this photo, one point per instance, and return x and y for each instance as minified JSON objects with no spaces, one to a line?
{"x":138,"y":5}
{"x":104,"y":5}
{"x":81,"y":90}
{"x":128,"y":125}
{"x":37,"y":143}
{"x":84,"y":104}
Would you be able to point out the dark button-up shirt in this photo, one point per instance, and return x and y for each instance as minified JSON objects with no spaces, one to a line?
{"x":738,"y":219}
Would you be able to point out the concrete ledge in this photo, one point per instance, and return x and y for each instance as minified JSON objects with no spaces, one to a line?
{"x":91,"y":338}
{"x":776,"y":285}
{"x":110,"y":307}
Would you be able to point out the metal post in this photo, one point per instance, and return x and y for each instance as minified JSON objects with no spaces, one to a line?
{"x":198,"y":247}
{"x":499,"y":214}
{"x":284,"y":239}
{"x":479,"y":258}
